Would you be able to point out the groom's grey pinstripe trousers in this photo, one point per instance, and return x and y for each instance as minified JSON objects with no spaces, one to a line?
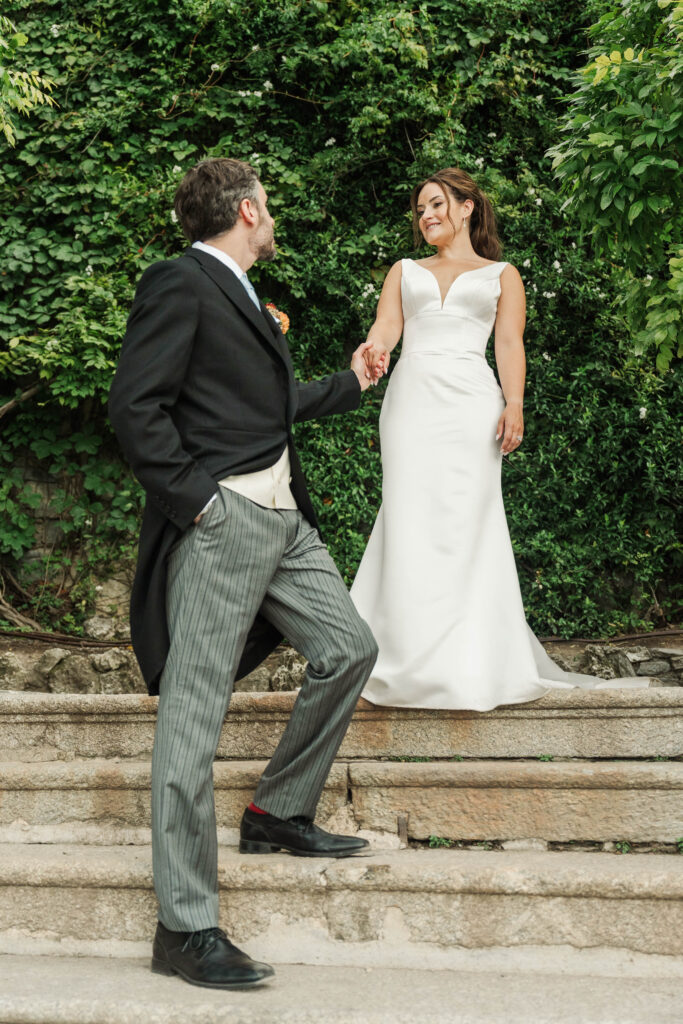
{"x":240,"y":558}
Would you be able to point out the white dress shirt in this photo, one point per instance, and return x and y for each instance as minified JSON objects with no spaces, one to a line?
{"x":268,"y":487}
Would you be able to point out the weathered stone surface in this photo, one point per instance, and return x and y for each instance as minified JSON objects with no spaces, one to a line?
{"x":508,"y":988}
{"x":14,"y":673}
{"x":654,"y":667}
{"x":570,"y":723}
{"x":512,"y":800}
{"x":50,"y":658}
{"x":74,"y":674}
{"x":284,"y":669}
{"x":112,"y":598}
{"x":99,"y":628}
{"x":109,"y":660}
{"x":290,"y":673}
{"x":606,"y":661}
{"x":634,"y":654}
{"x":39,"y":668}
{"x":522,"y":800}
{"x":438,"y":897}
{"x":117,"y":793}
{"x":257,"y":681}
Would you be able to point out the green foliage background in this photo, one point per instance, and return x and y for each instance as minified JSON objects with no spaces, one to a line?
{"x":341,"y":106}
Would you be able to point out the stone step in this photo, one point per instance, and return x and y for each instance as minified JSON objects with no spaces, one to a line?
{"x":105,"y":801}
{"x":570,"y":723}
{"x":99,"y":901}
{"x":84,"y":990}
{"x":561,"y":802}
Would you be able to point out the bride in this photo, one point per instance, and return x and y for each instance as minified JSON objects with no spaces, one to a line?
{"x":437,"y":583}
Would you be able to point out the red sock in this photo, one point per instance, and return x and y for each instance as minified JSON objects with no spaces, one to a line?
{"x":253,"y":807}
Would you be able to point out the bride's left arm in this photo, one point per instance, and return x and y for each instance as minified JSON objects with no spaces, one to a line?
{"x":510,"y":359}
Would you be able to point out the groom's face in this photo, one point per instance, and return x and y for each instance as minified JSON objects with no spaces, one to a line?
{"x":262,"y":241}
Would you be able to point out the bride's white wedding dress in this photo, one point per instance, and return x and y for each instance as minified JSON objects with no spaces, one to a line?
{"x":438,"y":583}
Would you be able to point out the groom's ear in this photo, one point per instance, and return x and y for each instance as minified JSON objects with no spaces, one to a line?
{"x":248,"y":211}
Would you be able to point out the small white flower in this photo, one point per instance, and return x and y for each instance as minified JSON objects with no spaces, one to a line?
{"x":54,"y":29}
{"x":52,"y":343}
{"x":331,"y":141}
{"x":573,"y":245}
{"x":479,"y":162}
{"x":177,"y":168}
{"x":527,"y":263}
{"x":557,"y":265}
{"x":492,"y":135}
{"x":215,"y":67}
{"x":174,"y":216}
{"x":546,"y":357}
{"x":368,"y":290}
{"x":539,"y":202}
{"x":267,"y":84}
{"x":534,"y":287}
{"x":89,"y":270}
{"x":255,"y":47}
{"x":259,"y":94}
{"x":531,"y":191}
{"x":648,"y":277}
{"x":243,"y":92}
{"x":642,"y":412}
{"x":602,"y":295}
{"x":255,"y":157}
{"x":98,"y":587}
{"x":548,"y":295}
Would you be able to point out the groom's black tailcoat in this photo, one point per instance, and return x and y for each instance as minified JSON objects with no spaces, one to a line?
{"x":204,"y":389}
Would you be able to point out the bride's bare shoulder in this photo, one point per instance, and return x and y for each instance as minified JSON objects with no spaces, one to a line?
{"x":509,"y":272}
{"x":395,"y":271}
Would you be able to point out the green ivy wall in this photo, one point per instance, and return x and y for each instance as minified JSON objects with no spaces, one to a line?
{"x":341,"y":106}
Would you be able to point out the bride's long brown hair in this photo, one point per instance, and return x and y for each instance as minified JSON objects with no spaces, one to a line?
{"x":457,"y":183}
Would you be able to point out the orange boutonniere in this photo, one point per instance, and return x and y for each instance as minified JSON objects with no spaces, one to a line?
{"x":281,"y":318}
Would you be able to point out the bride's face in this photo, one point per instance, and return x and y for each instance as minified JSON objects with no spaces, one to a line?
{"x":433,"y":209}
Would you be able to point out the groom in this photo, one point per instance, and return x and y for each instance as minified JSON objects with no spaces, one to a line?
{"x":230,"y":558}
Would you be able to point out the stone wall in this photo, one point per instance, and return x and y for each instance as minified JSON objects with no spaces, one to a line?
{"x":113,"y":669}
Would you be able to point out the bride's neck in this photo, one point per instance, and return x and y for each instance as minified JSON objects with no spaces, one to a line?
{"x":457,"y":251}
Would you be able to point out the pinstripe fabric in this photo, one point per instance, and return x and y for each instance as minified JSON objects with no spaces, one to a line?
{"x":239,"y":559}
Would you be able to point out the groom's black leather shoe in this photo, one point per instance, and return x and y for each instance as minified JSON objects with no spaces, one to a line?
{"x":262,"y":833}
{"x":206,"y":958}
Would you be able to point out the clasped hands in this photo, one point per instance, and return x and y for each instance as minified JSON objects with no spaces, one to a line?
{"x":370,"y":362}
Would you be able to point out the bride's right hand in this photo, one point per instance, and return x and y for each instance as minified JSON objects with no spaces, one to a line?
{"x":377,"y":358}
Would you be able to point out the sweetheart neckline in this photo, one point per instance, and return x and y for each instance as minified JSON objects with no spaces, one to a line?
{"x":496,"y":263}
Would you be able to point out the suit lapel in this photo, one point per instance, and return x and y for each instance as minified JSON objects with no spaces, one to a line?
{"x":262,"y":321}
{"x":236,"y":292}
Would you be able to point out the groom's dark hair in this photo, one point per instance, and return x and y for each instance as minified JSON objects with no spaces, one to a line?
{"x":208,"y":198}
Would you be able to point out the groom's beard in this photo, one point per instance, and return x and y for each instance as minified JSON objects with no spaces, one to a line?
{"x":263,"y":246}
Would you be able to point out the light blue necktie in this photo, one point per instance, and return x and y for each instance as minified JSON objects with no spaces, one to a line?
{"x":250,"y":291}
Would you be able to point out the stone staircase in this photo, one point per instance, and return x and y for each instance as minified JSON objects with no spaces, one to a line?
{"x":489,"y":838}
